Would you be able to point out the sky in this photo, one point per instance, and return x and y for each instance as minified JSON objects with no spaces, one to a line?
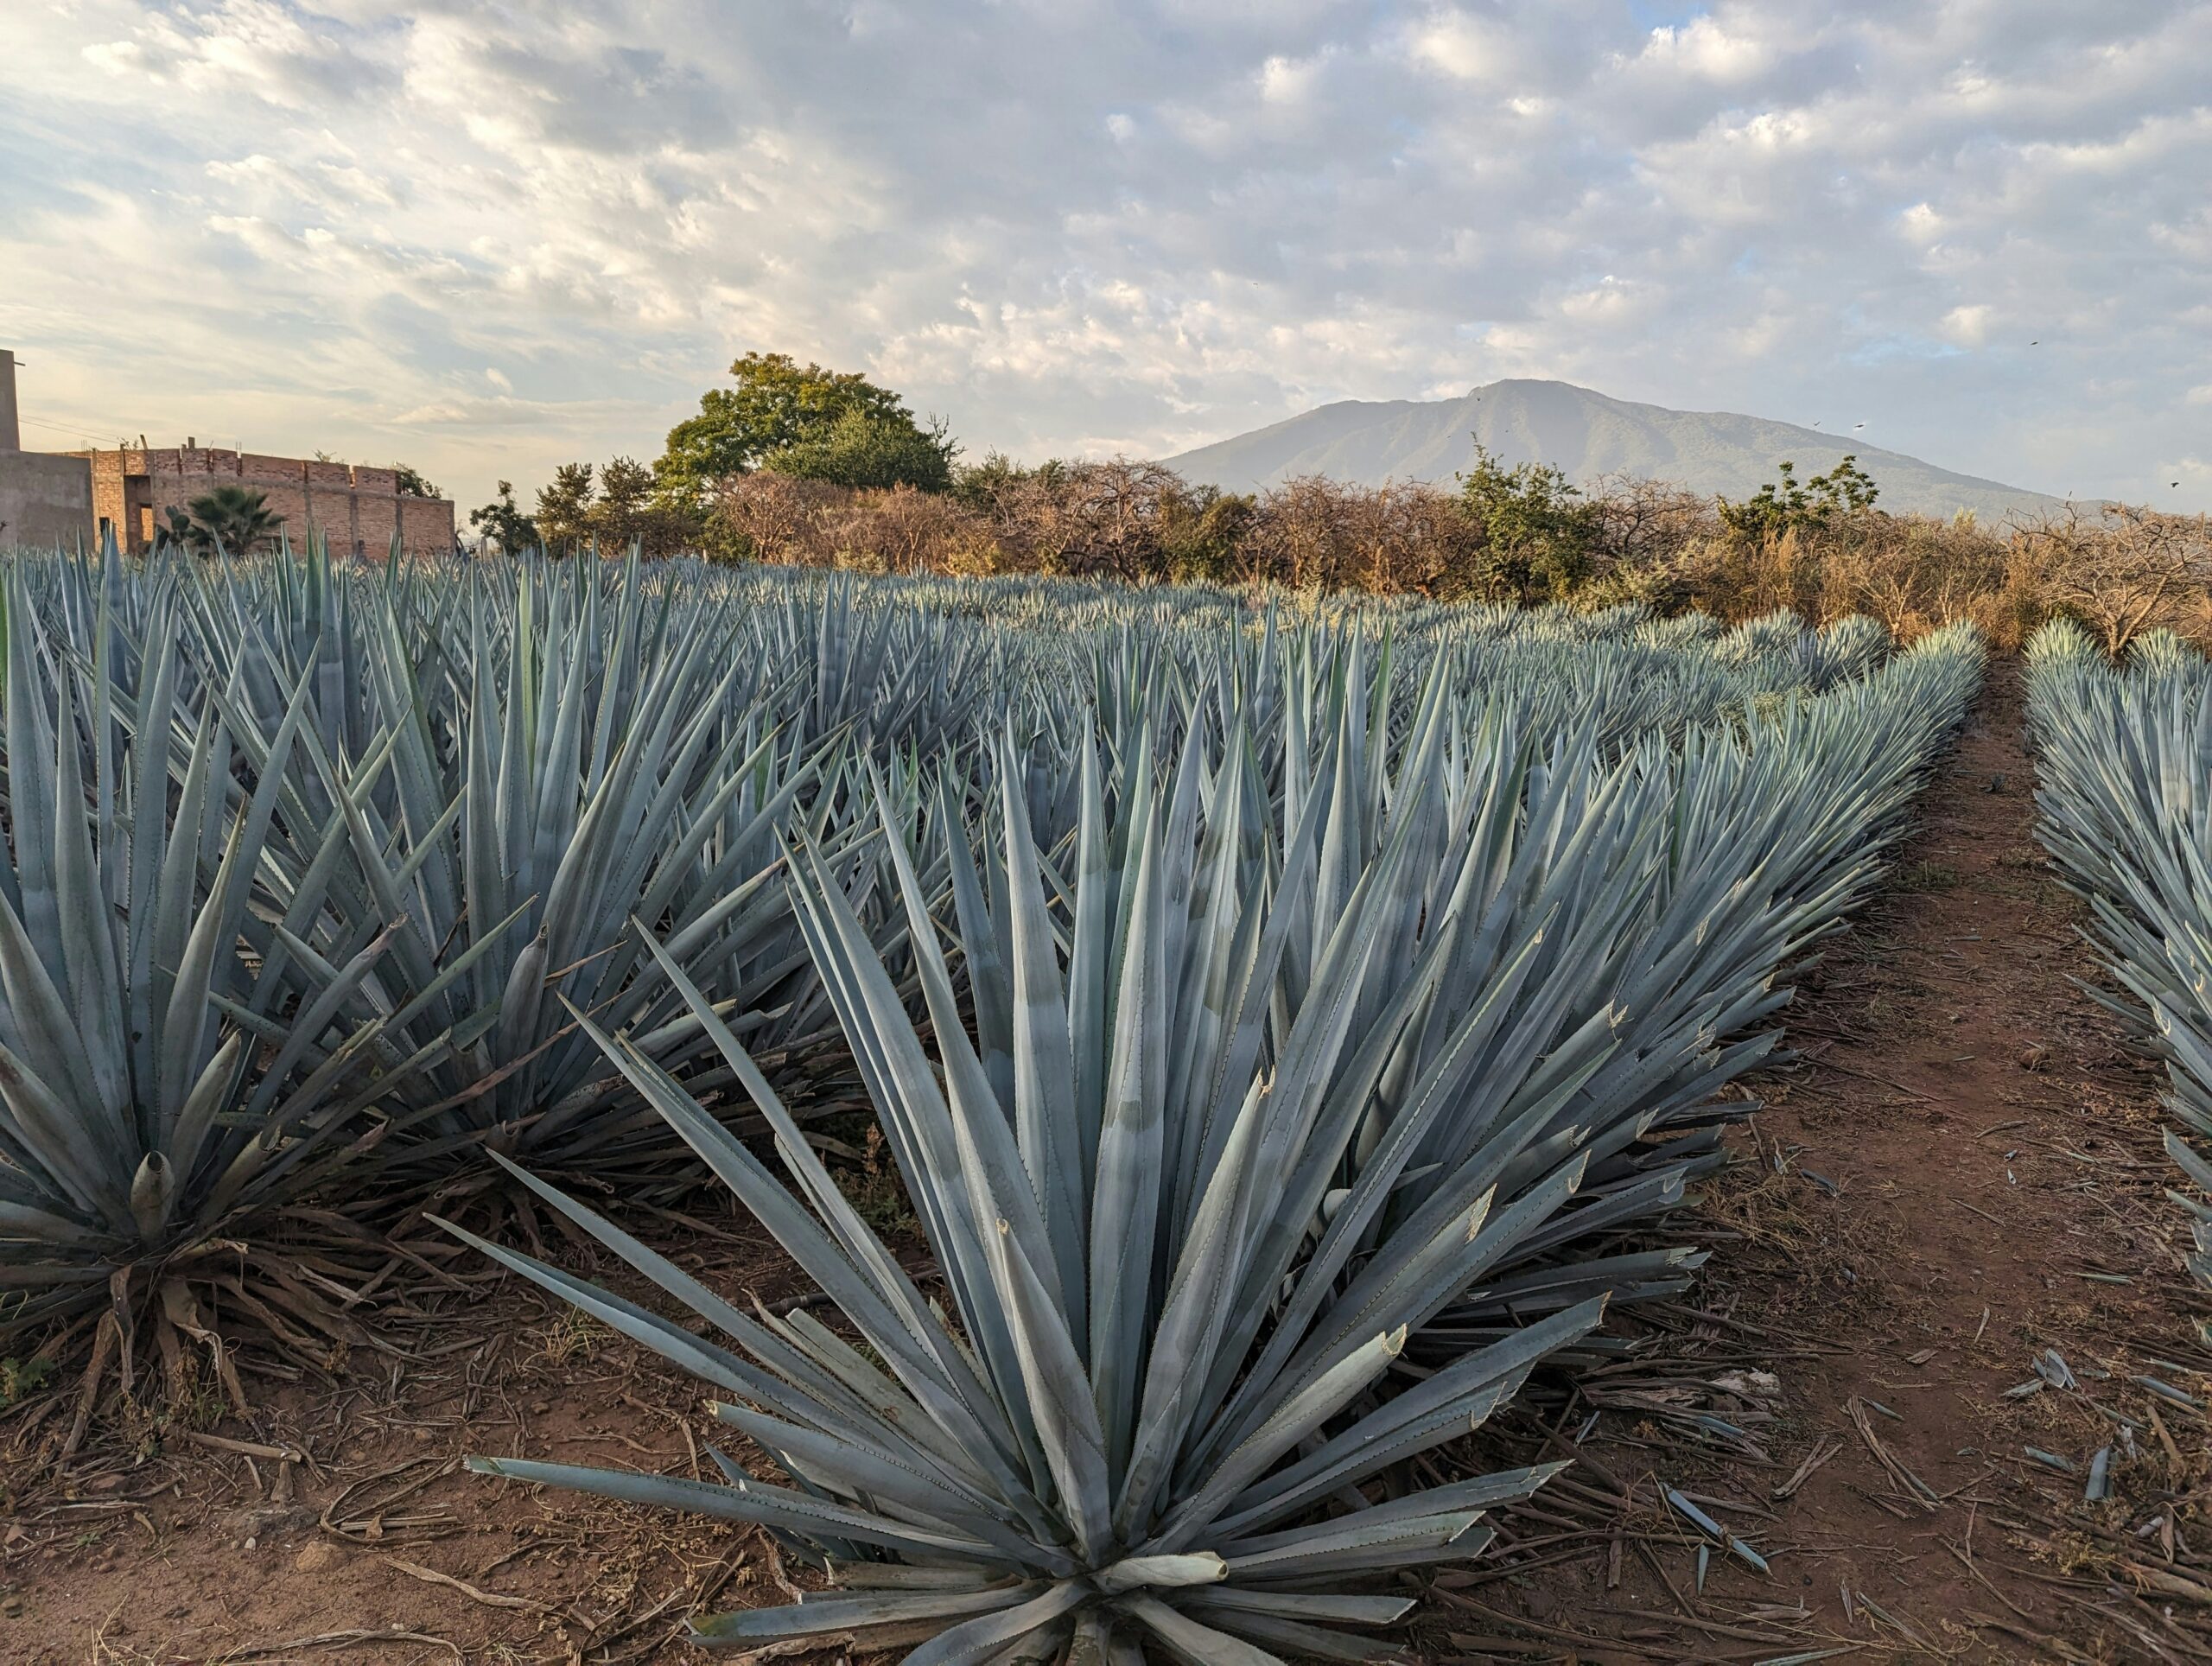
{"x":485,"y":237}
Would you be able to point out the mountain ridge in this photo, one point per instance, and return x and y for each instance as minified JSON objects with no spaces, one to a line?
{"x":1586,"y":434}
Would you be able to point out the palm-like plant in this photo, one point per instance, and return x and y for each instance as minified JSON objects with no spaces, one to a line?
{"x":234,"y":519}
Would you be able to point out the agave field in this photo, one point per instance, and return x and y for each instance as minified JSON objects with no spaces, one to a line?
{"x":1294,"y":1024}
{"x":2126,"y":795}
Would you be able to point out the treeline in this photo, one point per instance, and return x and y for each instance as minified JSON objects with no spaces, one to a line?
{"x":797,"y":464}
{"x":1517,"y":535}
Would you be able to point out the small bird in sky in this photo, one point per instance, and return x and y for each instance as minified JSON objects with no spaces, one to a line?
{"x":1859,"y":425}
{"x":1815,"y":424}
{"x":2035,"y":344}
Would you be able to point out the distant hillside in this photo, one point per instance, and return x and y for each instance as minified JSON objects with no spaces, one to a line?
{"x":1585,"y":434}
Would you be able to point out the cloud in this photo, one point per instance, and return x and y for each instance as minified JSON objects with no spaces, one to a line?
{"x":1967,"y":326}
{"x":1704,"y":49}
{"x":1463,"y":46}
{"x":493,"y":239}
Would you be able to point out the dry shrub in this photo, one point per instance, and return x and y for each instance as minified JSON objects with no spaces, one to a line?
{"x":2121,"y":569}
{"x":772,"y":516}
{"x":906,"y":530}
{"x":1404,"y":536}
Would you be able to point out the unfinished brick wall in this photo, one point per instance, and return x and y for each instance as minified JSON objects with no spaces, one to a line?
{"x":357,"y":509}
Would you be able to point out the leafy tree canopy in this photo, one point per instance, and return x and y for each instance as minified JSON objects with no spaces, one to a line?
{"x":564,"y":507}
{"x":778,"y":404}
{"x":502,"y":522}
{"x":863,"y":449}
{"x":1538,"y":528}
{"x":1791,"y":505}
{"x":614,"y":506}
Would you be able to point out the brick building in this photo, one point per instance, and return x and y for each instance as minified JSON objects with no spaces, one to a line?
{"x":358,"y":509}
{"x":45,"y":498}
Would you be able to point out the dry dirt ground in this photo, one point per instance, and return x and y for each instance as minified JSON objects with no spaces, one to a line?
{"x":1943,"y":1281}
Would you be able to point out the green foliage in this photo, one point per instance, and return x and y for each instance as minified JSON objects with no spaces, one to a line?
{"x":985,"y":487}
{"x":863,"y":450}
{"x":1201,"y":530}
{"x":1539,"y":530}
{"x":234,"y":519}
{"x":777,"y":404}
{"x":411,"y":483}
{"x":631,"y":508}
{"x":1792,"y":505}
{"x":502,"y":522}
{"x":21,"y":1379}
{"x":564,"y":507}
{"x":622,"y":507}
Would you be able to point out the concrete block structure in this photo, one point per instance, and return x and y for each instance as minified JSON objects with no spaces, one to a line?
{"x":61,"y":498}
{"x":46,"y":499}
{"x":358,"y":509}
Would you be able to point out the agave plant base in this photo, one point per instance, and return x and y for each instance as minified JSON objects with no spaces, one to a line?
{"x":1220,"y":1608}
{"x":165,"y":1332}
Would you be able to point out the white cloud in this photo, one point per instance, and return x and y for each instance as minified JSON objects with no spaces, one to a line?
{"x":490,"y":240}
{"x":1463,"y":46}
{"x":1969,"y":325}
{"x":1704,"y":48}
{"x":1921,"y":223}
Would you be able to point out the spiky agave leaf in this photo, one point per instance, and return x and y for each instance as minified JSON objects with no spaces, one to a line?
{"x":1049,"y":1469}
{"x":2124,"y":786}
{"x":155,"y":1086}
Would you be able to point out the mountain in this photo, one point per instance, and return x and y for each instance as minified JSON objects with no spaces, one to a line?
{"x":1585,"y":434}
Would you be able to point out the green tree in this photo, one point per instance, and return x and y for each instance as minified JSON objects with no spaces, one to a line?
{"x":1789,"y":505}
{"x":234,"y":519}
{"x":862,"y":449}
{"x":1201,"y":530}
{"x":502,"y":522}
{"x":1539,"y":530}
{"x":564,"y":508}
{"x":776,"y":404}
{"x":632,"y":510}
{"x":985,"y":487}
{"x":411,"y":483}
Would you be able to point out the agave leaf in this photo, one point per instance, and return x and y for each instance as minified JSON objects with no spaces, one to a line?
{"x":832,"y":1615}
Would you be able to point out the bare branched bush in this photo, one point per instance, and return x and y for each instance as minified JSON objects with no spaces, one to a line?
{"x":2122,"y":571}
{"x":1505,"y":536}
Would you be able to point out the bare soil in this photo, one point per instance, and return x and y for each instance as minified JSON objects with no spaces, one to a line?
{"x":1959,"y":1177}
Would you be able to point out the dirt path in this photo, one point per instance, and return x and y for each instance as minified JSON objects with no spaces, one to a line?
{"x":1962,"y":1173}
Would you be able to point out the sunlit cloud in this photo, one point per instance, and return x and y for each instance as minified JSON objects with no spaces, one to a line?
{"x":490,"y":238}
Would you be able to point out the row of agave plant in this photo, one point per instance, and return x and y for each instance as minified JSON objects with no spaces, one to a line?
{"x":2124,"y":786}
{"x":309,"y":864}
{"x":1277,"y":1024}
{"x":1290,"y":1120}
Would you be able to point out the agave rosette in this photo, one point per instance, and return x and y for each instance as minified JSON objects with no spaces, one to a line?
{"x":141,"y":1115}
{"x":1236,"y":1106}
